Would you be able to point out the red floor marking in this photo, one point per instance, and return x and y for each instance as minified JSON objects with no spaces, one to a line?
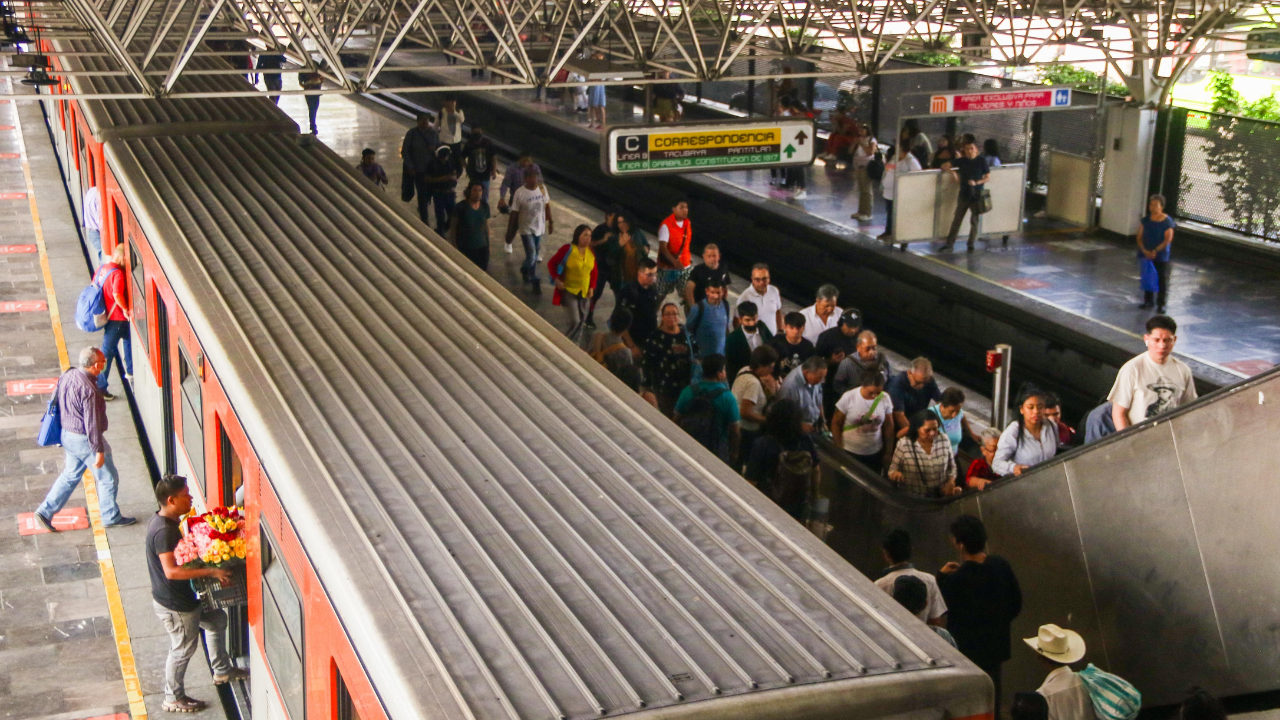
{"x":1250,"y":367}
{"x":74,"y":518}
{"x":9,"y":156}
{"x":6,"y":127}
{"x":117,"y":716}
{"x":11,"y":249}
{"x":1025,"y":284}
{"x":43,"y":386}
{"x":13,"y":196}
{"x":23,"y":306}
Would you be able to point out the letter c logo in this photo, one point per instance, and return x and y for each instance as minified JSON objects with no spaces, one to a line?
{"x":632,"y":144}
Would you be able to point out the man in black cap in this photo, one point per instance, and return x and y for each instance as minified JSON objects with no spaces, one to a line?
{"x":843,"y":336}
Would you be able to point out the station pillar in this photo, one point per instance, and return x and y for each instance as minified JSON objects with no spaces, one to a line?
{"x":1130,"y":143}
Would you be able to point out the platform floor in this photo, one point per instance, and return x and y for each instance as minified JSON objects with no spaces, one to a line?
{"x":1229,"y":310}
{"x":78,"y":638}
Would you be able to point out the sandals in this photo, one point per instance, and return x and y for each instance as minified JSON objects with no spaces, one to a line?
{"x":184,"y":705}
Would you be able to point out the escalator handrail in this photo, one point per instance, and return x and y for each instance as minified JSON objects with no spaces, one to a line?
{"x":887,"y":492}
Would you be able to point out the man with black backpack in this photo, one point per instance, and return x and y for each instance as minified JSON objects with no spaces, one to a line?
{"x":709,"y":412}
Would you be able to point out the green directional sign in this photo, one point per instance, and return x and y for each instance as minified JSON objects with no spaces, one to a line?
{"x":707,"y":147}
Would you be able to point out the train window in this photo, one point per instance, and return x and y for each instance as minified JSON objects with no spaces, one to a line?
{"x":343,"y":708}
{"x":282,"y":627}
{"x":192,"y":419}
{"x":139,"y":292}
{"x":232,"y":470}
{"x":119,"y":223}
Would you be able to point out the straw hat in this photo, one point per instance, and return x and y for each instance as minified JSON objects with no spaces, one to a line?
{"x":1057,"y":644}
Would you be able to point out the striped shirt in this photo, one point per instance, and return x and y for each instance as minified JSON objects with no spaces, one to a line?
{"x":924,"y":473}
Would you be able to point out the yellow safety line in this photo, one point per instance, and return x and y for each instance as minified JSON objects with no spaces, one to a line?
{"x":124,"y":647}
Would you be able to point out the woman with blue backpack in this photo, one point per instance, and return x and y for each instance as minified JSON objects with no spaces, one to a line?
{"x":102,"y":306}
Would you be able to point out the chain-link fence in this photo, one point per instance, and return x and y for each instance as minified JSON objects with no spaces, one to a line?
{"x":1228,"y":175}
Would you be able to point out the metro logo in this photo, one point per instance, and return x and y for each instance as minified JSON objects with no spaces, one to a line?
{"x":939,"y":104}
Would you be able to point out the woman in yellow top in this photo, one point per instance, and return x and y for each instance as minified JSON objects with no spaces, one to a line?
{"x":573,"y":268}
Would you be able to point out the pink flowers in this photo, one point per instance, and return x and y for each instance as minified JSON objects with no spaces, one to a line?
{"x":214,"y":539}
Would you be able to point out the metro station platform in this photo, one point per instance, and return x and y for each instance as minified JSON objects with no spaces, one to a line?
{"x":1056,"y":287}
{"x":78,"y":637}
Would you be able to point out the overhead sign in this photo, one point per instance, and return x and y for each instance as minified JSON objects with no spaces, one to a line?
{"x":707,"y":147}
{"x":999,"y":101}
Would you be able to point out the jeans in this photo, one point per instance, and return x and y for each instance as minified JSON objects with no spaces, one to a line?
{"x":184,"y":638}
{"x":273,"y":82}
{"x":94,"y":238}
{"x":115,"y":332}
{"x":529,"y":268}
{"x":1162,"y":271}
{"x":80,"y":457}
{"x":965,"y":206}
{"x":444,"y":202}
{"x":313,"y":105}
{"x":576,"y":308}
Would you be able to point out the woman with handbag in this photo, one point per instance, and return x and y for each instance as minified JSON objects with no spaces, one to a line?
{"x":668,"y":359}
{"x":1155,"y":235}
{"x":573,"y":270}
{"x":923,"y":463}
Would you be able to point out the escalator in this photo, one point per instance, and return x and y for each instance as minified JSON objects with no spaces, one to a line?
{"x":1160,"y":545}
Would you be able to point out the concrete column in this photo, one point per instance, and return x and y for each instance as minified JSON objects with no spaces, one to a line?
{"x":1128,"y":151}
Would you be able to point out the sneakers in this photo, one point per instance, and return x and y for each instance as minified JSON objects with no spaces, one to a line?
{"x":106,"y":395}
{"x":539,"y":256}
{"x":1146,"y":305}
{"x":861,"y":217}
{"x":129,"y":378}
{"x":801,"y":195}
{"x":537,"y":286}
{"x":233,"y":674}
{"x":885,"y":236}
{"x":122,"y":522}
{"x":510,"y":249}
{"x":184,"y":705}
{"x":46,"y":522}
{"x":590,"y":324}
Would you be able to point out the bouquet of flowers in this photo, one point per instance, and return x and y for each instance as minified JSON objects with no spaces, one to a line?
{"x":214,"y":539}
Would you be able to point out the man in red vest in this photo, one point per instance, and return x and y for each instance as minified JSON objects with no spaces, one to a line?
{"x":674,"y":256}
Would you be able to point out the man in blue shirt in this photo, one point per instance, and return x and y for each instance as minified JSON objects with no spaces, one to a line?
{"x":708,"y":321}
{"x":709,"y":412}
{"x":912,"y":391}
{"x":804,"y":386}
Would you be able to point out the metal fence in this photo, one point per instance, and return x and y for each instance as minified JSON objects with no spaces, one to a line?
{"x":1222,"y":171}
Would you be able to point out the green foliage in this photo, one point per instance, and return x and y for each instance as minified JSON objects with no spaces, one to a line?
{"x":1078,"y":78}
{"x":1242,"y":153}
{"x":936,"y":59}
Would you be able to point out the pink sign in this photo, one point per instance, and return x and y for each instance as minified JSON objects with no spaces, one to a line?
{"x":9,"y":306}
{"x":72,"y":518}
{"x":41,"y":386}
{"x":12,"y":196}
{"x":999,"y":101}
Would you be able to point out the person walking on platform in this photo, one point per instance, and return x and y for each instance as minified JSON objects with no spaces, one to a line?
{"x":983,"y":598}
{"x":899,"y":161}
{"x":629,"y":246}
{"x":604,"y":243}
{"x":804,"y":385}
{"x":449,"y":125}
{"x":513,"y":180}
{"x":896,"y":550}
{"x":1154,"y":382}
{"x":480,"y":160}
{"x":862,"y":423}
{"x":417,"y":152}
{"x":272,"y":81}
{"x":791,"y":346}
{"x":864,"y":151}
{"x":596,"y":100}
{"x":708,"y":322}
{"x":312,"y":81}
{"x":972,"y":171}
{"x":469,"y":231}
{"x":1063,"y":689}
{"x":668,"y":359}
{"x":91,"y":208}
{"x":531,"y":218}
{"x":754,"y":386}
{"x":912,"y":390}
{"x":84,"y":427}
{"x":766,"y":297}
{"x":1155,"y":236}
{"x":371,"y":169}
{"x":842,"y":340}
{"x":923,"y":462}
{"x":742,"y":342}
{"x":695,"y":289}
{"x":674,"y":253}
{"x":439,"y":182}
{"x":175,"y":603}
{"x":823,"y":314}
{"x":641,"y":299}
{"x":865,"y":356}
{"x":116,"y":330}
{"x":573,"y":270}
{"x":708,"y":411}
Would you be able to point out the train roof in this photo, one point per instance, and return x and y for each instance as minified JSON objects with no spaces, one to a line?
{"x":503,"y":528}
{"x":161,"y":116}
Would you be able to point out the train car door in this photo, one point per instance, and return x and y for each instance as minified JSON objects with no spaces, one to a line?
{"x":232,"y":472}
{"x":166,"y":387}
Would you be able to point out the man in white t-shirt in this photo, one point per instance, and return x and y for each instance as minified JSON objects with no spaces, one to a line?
{"x":897,"y":552}
{"x":766,"y":297}
{"x":823,"y":314}
{"x":1154,"y":382}
{"x":863,"y":422}
{"x":531,"y":217}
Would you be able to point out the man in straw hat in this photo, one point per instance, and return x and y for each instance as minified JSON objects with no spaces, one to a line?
{"x":1063,"y":689}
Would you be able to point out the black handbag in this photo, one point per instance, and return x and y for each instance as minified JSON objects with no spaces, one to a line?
{"x":984,"y":202}
{"x":406,"y":185}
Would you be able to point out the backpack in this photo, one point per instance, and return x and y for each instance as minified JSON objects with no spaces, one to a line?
{"x":1114,"y":698}
{"x":792,"y":481}
{"x":875,"y":168}
{"x":921,"y":154}
{"x":702,"y":422}
{"x":91,"y":307}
